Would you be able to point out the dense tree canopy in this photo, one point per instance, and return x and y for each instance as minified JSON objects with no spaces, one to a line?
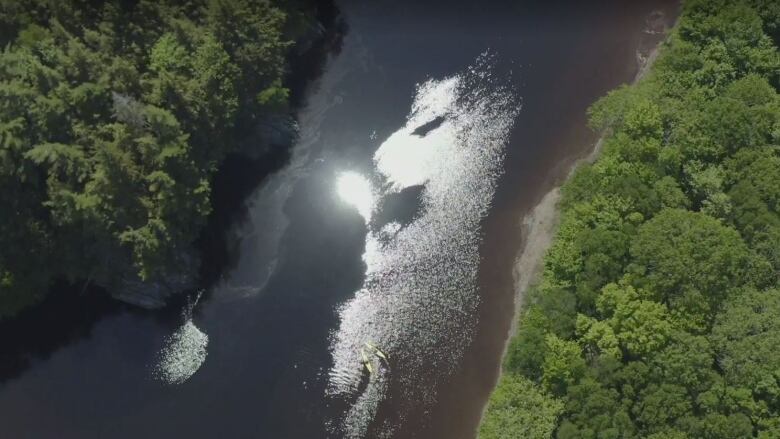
{"x":656,"y":315}
{"x":519,"y":409}
{"x":113,"y":117}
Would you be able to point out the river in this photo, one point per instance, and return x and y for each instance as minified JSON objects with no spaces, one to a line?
{"x":432,"y":130}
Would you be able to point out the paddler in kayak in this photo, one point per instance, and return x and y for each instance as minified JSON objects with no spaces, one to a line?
{"x":366,"y":361}
{"x":378,"y":352}
{"x":365,"y":353}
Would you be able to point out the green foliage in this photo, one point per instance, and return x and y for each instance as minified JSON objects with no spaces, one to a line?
{"x":168,"y":55}
{"x":526,"y":355}
{"x":519,"y":409}
{"x":598,"y":337}
{"x":686,"y":361}
{"x":113,"y":118}
{"x":274,"y":97}
{"x":640,"y":326}
{"x":661,"y":405}
{"x":746,"y":337}
{"x":610,"y":111}
{"x":594,"y":411}
{"x":643,"y":119}
{"x":657,"y":312}
{"x":681,"y":256}
{"x":668,"y":434}
{"x":563,"y":364}
{"x":670,"y":194}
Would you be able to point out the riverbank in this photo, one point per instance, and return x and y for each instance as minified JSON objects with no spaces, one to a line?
{"x":615,"y":320}
{"x":539,"y":227}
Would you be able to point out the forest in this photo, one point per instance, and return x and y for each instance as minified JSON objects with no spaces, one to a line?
{"x":657,"y":314}
{"x":114,"y":117}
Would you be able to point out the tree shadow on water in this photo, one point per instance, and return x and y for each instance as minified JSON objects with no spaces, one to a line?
{"x":65,"y":316}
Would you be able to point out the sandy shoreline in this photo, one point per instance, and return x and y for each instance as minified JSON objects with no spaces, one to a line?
{"x":541,"y":223}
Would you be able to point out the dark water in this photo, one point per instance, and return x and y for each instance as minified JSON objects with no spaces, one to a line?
{"x":430,"y":133}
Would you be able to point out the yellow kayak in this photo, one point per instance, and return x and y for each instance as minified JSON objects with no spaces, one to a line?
{"x":378,"y":352}
{"x":366,"y":361}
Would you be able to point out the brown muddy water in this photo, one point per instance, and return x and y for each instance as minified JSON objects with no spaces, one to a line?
{"x":431,"y":132}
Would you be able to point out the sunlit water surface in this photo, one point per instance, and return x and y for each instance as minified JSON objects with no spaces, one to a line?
{"x":419,"y":297}
{"x":183,"y":352}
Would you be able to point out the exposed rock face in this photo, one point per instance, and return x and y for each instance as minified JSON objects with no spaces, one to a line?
{"x":151,"y":294}
{"x":128,"y":287}
{"x":148,"y":295}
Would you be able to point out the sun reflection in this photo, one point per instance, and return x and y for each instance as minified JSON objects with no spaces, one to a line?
{"x":420,"y":296}
{"x":356,"y":190}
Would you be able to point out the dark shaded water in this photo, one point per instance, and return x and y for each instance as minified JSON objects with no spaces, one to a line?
{"x":395,"y":222}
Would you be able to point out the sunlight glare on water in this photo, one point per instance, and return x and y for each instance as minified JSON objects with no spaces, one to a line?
{"x":356,"y":191}
{"x":419,"y":298}
{"x":407,"y":159}
{"x":184,"y":351}
{"x":183,"y":354}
